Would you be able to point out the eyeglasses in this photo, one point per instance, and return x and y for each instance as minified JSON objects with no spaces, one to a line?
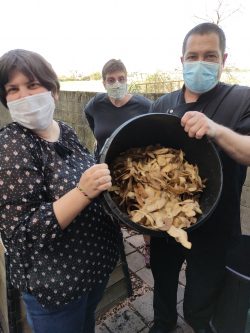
{"x":113,"y":80}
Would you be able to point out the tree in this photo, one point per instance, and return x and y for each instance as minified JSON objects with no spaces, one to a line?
{"x":223,"y":11}
{"x":158,"y":82}
{"x":96,"y":76}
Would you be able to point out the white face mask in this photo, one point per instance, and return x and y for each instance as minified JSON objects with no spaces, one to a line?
{"x":34,"y":112}
{"x":117,"y":90}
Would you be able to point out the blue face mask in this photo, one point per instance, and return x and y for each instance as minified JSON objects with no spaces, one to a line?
{"x":200,"y":76}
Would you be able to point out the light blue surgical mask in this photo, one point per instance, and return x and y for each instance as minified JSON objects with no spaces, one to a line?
{"x":117,"y":90}
{"x":200,"y":76}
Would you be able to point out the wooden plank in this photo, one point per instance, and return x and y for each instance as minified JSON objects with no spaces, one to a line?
{"x":116,"y":275}
{"x":112,"y":296}
{"x":3,"y":293}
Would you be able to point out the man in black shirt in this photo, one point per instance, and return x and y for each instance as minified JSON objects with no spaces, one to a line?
{"x":105,"y":112}
{"x":204,"y":104}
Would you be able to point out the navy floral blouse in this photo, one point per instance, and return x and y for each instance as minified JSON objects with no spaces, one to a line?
{"x":54,"y":265}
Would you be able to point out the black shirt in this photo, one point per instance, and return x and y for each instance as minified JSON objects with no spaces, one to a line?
{"x":104,"y":117}
{"x":228,"y":105}
{"x":55,"y":265}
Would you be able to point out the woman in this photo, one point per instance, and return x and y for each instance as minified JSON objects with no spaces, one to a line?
{"x":61,"y":245}
{"x":107,"y":111}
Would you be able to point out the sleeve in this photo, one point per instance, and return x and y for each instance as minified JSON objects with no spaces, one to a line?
{"x":156,"y":106}
{"x":243,"y":124}
{"x":88,"y":111}
{"x":25,"y":213}
{"x":143,"y":103}
{"x":151,"y":109}
{"x":148,"y":104}
{"x":166,"y":101}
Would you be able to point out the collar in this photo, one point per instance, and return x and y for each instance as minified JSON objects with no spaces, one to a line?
{"x":203,"y":97}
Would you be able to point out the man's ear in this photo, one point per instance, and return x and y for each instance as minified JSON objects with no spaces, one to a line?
{"x":224,"y":58}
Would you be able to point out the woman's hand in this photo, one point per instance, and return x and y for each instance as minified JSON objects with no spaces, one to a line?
{"x":95,"y":180}
{"x":92,"y":182}
{"x":196,"y":124}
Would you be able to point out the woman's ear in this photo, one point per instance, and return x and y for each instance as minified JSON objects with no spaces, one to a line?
{"x":56,"y":96}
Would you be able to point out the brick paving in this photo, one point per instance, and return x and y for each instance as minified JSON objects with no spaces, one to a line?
{"x":136,"y":316}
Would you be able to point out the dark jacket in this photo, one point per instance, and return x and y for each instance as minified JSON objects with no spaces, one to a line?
{"x":228,"y":105}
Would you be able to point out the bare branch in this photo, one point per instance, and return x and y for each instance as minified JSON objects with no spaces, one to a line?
{"x":220,"y":13}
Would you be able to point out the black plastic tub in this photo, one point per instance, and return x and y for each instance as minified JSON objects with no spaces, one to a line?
{"x":164,"y":129}
{"x":232,"y":314}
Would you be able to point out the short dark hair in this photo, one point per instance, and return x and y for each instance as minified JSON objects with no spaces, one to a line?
{"x":112,"y":66}
{"x":32,"y":65}
{"x":203,"y":29}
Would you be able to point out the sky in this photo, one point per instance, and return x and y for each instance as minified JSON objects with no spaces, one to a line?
{"x":81,"y":35}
